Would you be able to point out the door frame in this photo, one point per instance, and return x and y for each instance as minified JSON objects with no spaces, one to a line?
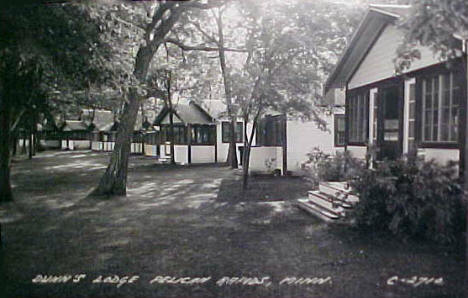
{"x":400,"y":86}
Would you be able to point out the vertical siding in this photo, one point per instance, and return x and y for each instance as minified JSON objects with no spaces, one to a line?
{"x":378,"y":64}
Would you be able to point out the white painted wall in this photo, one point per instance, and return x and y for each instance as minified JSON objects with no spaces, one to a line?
{"x":136,"y":148}
{"x":108,"y":146}
{"x":203,"y":154}
{"x":76,"y":144}
{"x":441,"y":156}
{"x":180,"y":154}
{"x":304,"y":136}
{"x":261,"y":157}
{"x":81,"y":144}
{"x":150,"y":150}
{"x":97,"y":146}
{"x":378,"y":64}
{"x":50,"y":143}
{"x":358,"y":151}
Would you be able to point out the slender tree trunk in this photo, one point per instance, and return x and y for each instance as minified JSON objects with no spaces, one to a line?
{"x":171,"y":135}
{"x":5,"y":158}
{"x":232,"y":156}
{"x":171,"y":117}
{"x":14,"y":144}
{"x":466,"y":153}
{"x":23,"y":147}
{"x":114,"y":181}
{"x":31,"y":146}
{"x":246,"y":158}
{"x":35,"y":140}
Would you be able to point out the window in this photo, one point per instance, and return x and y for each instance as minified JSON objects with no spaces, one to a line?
{"x":270,"y":131}
{"x":440,"y":101}
{"x":358,"y":118}
{"x":180,"y":135}
{"x":203,"y":135}
{"x":151,"y":138}
{"x":226,"y":132}
{"x":339,"y":130}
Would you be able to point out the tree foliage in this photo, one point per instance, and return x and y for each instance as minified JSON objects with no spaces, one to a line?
{"x":436,"y":24}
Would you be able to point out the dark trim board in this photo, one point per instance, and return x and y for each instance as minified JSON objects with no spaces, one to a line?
{"x":285,"y":145}
{"x":463,"y":119}
{"x":439,"y":145}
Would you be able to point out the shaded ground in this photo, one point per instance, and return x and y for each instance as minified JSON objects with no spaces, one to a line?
{"x":179,"y":221}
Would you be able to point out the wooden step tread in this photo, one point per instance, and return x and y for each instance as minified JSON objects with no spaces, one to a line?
{"x":329,"y":212}
{"x":339,"y":200}
{"x":317,"y":211}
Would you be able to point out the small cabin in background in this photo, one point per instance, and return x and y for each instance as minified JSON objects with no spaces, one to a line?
{"x":201,"y":133}
{"x":194,"y":134}
{"x":75,"y":135}
{"x":104,"y":128}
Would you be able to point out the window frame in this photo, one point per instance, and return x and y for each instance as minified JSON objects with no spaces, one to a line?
{"x":209,"y":130}
{"x":456,"y":89}
{"x":180,"y":134}
{"x":357,"y":119}
{"x":239,"y":131}
{"x":339,"y":117}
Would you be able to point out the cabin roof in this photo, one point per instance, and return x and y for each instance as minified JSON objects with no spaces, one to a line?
{"x":216,"y":108}
{"x":375,"y":20}
{"x":190,"y":113}
{"x":71,"y":125}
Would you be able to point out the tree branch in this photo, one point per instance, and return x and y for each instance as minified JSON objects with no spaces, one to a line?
{"x":204,"y":33}
{"x":200,"y":47}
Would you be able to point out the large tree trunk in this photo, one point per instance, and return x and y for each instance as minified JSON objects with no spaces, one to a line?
{"x":5,"y":158}
{"x":114,"y":181}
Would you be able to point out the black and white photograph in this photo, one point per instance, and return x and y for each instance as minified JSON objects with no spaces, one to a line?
{"x":234,"y":148}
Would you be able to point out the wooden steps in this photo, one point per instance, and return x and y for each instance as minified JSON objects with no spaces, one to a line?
{"x":330,"y":202}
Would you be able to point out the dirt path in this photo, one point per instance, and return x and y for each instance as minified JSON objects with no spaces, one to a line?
{"x":173,"y":224}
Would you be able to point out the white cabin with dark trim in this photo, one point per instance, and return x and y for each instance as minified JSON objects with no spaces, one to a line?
{"x":283,"y":143}
{"x":422,"y":111}
{"x":201,"y":134}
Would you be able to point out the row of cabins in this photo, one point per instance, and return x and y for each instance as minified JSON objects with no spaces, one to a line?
{"x":422,"y":111}
{"x":202,"y":135}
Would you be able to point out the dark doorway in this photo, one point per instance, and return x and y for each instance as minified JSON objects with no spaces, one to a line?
{"x":390,"y":116}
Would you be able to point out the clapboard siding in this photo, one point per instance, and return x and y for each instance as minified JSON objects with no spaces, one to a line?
{"x":378,"y":64}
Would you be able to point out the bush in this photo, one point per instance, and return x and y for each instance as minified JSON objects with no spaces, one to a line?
{"x":411,"y":199}
{"x":326,"y":167}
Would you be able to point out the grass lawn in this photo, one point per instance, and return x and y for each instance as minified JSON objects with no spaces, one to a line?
{"x":194,"y":222}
